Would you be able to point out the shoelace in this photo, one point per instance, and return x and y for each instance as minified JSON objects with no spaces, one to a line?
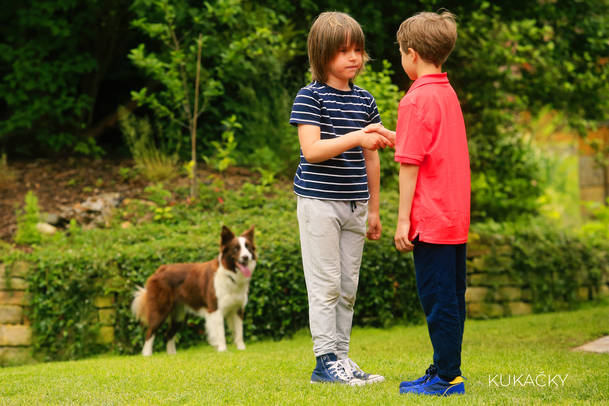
{"x":430,"y":373}
{"x":337,"y":369}
{"x":352,"y":366}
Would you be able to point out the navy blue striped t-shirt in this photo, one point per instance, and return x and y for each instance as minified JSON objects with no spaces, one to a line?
{"x":336,"y":112}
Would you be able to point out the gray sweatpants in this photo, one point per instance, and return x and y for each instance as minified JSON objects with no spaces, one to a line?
{"x":332,"y":235}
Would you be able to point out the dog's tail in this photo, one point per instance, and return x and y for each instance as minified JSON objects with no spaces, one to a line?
{"x":138,"y":307}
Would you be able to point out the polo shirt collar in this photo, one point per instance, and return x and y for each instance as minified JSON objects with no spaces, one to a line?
{"x":429,"y":79}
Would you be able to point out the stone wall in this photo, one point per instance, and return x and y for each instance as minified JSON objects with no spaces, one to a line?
{"x":106,"y":316}
{"x":492,"y":292}
{"x":15,"y":330}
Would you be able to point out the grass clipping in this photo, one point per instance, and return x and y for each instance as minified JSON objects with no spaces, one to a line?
{"x":154,"y":162}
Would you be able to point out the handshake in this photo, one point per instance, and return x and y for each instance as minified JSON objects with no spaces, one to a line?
{"x":375,"y":137}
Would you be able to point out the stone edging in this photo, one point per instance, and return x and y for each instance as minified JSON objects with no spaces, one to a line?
{"x":15,"y":329}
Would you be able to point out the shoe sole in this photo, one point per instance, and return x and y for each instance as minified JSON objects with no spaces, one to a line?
{"x":375,"y":380}
{"x":350,"y":383}
{"x":445,"y":393}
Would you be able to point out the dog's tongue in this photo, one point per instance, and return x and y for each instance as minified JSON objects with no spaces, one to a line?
{"x":244,"y":270}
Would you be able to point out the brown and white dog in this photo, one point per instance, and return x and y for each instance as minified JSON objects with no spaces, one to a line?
{"x":216,"y":290}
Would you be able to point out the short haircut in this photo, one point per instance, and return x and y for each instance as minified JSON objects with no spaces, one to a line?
{"x":330,"y":32}
{"x":432,"y":35}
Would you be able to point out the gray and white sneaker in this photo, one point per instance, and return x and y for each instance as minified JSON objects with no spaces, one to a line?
{"x":357,"y":372}
{"x":329,"y":369}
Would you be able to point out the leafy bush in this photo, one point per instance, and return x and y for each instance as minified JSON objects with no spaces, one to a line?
{"x":387,"y":96}
{"x":69,"y":273}
{"x":27,"y":218}
{"x":223,"y":156}
{"x":156,"y":163}
{"x":599,"y":227}
{"x":552,"y":262}
{"x":244,"y":49}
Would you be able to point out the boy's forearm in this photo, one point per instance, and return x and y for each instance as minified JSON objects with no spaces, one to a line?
{"x":408,"y":182}
{"x":318,"y":150}
{"x":373,"y":171}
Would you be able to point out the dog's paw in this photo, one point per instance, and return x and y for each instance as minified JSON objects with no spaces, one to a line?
{"x":240,"y":346}
{"x":221,"y":348}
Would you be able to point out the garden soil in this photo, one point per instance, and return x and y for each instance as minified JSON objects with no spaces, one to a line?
{"x":59,"y":184}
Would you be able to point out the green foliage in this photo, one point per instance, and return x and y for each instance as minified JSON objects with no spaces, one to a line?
{"x":69,"y":272}
{"x":387,"y":97}
{"x":598,"y":228}
{"x":72,"y":271}
{"x":524,"y":59}
{"x":156,"y":163}
{"x":505,"y":178}
{"x":26,"y":221}
{"x":163,"y":214}
{"x":510,"y":57}
{"x":89,"y":147}
{"x":52,"y":57}
{"x":158,"y":194}
{"x":242,"y":44}
{"x":223,"y":155}
{"x":550,"y":261}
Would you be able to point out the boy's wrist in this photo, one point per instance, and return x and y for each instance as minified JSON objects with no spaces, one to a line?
{"x":358,"y":137}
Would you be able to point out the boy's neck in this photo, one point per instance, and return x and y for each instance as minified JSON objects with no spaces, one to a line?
{"x":427,"y":69}
{"x":338,"y":83}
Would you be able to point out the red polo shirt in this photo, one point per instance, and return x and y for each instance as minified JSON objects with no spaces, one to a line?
{"x":431,"y":133}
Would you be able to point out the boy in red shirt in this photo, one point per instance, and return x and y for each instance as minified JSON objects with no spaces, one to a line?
{"x":434,"y":211}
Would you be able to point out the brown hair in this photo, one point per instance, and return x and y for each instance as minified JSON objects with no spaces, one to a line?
{"x":330,"y":32}
{"x":432,"y":35}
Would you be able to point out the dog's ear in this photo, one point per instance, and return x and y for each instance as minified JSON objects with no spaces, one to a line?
{"x":227,"y":236}
{"x":249,"y":234}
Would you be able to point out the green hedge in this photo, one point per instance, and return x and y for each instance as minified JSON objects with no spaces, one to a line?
{"x":69,"y":271}
{"x":552,"y":262}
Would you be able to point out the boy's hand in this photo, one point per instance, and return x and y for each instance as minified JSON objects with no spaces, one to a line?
{"x":374,"y":227}
{"x":374,"y":141}
{"x":390,"y":135}
{"x":402,"y":243}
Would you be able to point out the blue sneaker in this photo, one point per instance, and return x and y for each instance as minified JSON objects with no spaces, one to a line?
{"x":438,"y":387}
{"x":431,"y":372}
{"x":329,"y":369}
{"x":357,"y":372}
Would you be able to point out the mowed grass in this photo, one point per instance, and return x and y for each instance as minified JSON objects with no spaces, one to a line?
{"x":277,"y":373}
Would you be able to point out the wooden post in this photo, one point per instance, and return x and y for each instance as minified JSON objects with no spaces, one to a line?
{"x":193,"y":136}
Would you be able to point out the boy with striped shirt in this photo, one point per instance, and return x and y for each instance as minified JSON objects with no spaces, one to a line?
{"x":337,"y":184}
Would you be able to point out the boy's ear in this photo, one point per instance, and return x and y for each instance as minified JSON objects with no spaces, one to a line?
{"x":413,"y":54}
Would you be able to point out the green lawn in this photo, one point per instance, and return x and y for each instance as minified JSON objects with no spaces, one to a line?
{"x":277,"y":373}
